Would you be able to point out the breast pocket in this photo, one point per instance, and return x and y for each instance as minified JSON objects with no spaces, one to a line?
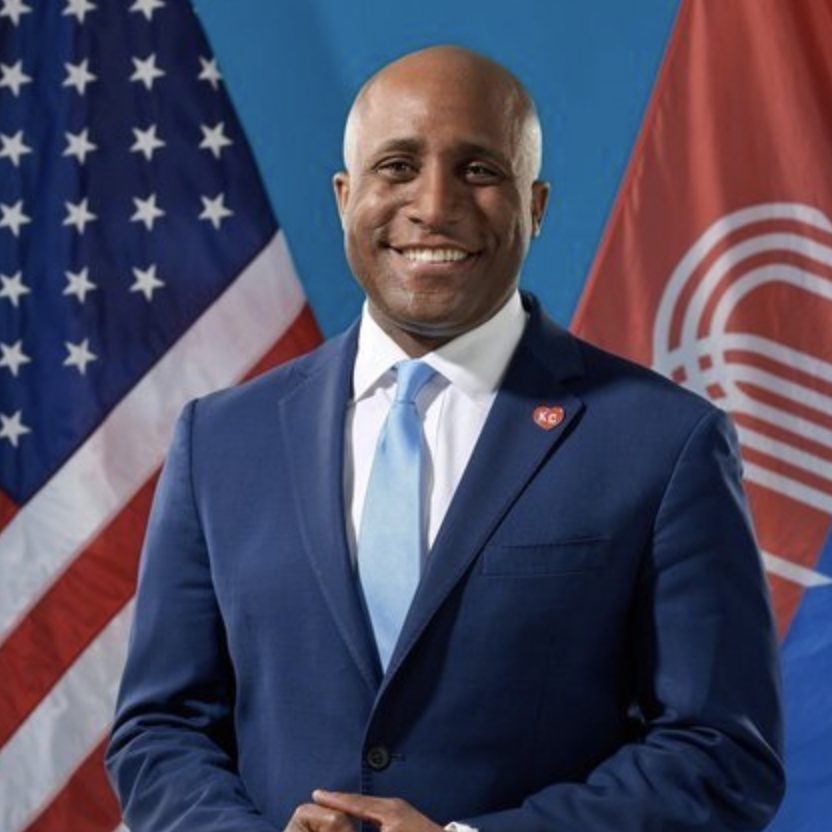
{"x":562,"y":557}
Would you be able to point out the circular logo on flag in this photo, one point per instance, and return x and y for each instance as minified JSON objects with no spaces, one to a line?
{"x":746,"y":320}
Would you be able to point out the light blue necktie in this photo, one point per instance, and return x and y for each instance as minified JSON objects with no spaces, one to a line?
{"x":391,"y":538}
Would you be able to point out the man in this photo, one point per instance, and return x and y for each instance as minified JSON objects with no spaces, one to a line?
{"x":585,"y":642}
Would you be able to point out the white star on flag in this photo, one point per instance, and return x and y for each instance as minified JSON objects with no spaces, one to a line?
{"x":214,"y":210}
{"x":13,"y":77}
{"x":14,"y":10}
{"x":12,"y":428}
{"x":147,"y":211}
{"x":214,"y":138}
{"x":146,"y":281}
{"x":13,"y":357}
{"x":146,"y":71}
{"x":147,"y":142}
{"x":13,"y":147}
{"x":147,"y":7}
{"x":78,"y":76}
{"x":79,"y":214}
{"x":13,"y":217}
{"x":79,"y":355}
{"x":209,"y":72}
{"x":13,"y":288}
{"x":79,"y":145}
{"x":79,"y":8}
{"x":79,"y":284}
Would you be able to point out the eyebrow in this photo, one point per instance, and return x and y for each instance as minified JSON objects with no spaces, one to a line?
{"x":404,"y":145}
{"x":465,"y":148}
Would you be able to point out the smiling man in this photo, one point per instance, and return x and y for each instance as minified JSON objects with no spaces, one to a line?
{"x":455,"y":568}
{"x":440,"y":198}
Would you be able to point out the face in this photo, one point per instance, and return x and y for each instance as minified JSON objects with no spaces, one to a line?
{"x":438,"y":204}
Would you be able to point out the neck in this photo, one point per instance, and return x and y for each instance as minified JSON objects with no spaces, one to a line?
{"x":414,"y":343}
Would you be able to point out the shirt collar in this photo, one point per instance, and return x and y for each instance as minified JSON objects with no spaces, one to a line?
{"x":474,"y":362}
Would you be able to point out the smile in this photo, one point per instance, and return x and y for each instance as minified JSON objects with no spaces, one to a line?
{"x":434,"y":255}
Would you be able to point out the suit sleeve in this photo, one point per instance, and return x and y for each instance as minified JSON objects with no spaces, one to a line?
{"x":708,"y":757}
{"x":171,"y":757}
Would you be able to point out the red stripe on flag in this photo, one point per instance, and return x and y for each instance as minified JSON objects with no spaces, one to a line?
{"x":796,"y":440}
{"x":85,"y":804}
{"x":302,"y":336}
{"x":785,"y":599}
{"x":8,"y":509}
{"x":774,"y":256}
{"x":791,"y":530}
{"x":787,"y":469}
{"x":690,"y":288}
{"x":98,"y":583}
{"x":786,"y":405}
{"x":777,"y":368}
{"x":757,"y":306}
{"x":777,"y":535}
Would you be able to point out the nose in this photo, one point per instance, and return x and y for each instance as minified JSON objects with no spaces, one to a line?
{"x":437,"y":198}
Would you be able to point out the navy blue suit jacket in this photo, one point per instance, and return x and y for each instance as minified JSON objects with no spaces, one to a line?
{"x":590,"y":648}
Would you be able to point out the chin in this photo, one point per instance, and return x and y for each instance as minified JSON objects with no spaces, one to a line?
{"x":435,"y":309}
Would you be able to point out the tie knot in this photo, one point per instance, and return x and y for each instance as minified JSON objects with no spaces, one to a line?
{"x":411,"y":377}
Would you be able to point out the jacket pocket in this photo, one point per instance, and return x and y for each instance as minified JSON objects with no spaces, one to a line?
{"x":562,"y":557}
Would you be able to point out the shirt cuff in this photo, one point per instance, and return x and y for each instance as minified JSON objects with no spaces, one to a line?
{"x":453,"y":826}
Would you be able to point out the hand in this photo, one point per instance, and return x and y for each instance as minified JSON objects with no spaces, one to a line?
{"x":308,"y":817}
{"x":389,"y":814}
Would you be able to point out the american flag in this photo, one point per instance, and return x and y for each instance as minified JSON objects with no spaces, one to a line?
{"x":140,"y":266}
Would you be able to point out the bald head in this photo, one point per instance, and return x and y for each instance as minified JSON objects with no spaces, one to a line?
{"x":441,"y":68}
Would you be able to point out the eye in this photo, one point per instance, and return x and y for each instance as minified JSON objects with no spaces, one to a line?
{"x":481,"y":174}
{"x":397,"y":169}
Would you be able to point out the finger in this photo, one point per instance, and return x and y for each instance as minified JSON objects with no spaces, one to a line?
{"x":361,"y":806}
{"x":308,"y":817}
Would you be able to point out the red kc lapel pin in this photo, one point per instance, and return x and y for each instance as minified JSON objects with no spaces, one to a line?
{"x":548,"y":417}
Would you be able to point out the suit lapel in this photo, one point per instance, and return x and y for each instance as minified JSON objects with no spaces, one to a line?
{"x":510,"y":450}
{"x":312,"y":423}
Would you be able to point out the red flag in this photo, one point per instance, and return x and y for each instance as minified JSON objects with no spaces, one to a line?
{"x":716,"y":266}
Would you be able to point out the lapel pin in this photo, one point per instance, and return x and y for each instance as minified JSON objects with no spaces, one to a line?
{"x":547,"y":417}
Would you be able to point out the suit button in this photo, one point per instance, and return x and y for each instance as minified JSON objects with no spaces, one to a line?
{"x":378,"y":757}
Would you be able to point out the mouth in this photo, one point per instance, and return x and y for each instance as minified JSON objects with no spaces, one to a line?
{"x":433,"y":255}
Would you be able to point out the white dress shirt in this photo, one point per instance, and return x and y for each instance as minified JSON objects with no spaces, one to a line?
{"x":453,"y":406}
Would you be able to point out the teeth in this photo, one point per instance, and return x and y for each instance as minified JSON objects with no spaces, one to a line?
{"x":434,"y":255}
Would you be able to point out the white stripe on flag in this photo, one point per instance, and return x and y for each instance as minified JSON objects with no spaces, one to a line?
{"x":223,"y":344}
{"x":781,"y":484}
{"x":794,"y":572}
{"x":64,"y":728}
{"x":787,"y":452}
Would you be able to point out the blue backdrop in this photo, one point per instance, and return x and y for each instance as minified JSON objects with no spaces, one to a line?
{"x":292,"y":69}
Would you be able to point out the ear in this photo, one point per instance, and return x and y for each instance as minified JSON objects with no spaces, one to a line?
{"x":540,"y":199}
{"x":341,"y":186}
